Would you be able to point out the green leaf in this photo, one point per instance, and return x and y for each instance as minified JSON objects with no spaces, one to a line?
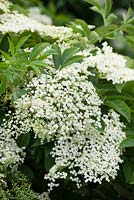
{"x":85,"y":27}
{"x":36,"y":143}
{"x":119,"y":87}
{"x":98,"y":10}
{"x":108,"y":6}
{"x":94,"y":3}
{"x":68,"y":53}
{"x":23,"y":140}
{"x":121,"y":107}
{"x":103,"y":30}
{"x":36,"y":69}
{"x":21,"y":42}
{"x":128,"y":142}
{"x":130,"y":40}
{"x":37,"y":50}
{"x":27,"y":171}
{"x":129,"y":88}
{"x":75,"y":28}
{"x":57,"y":56}
{"x":9,"y":77}
{"x":37,"y":62}
{"x":128,"y":15}
{"x":3,"y":66}
{"x":94,"y":37}
{"x":120,"y":97}
{"x":46,"y":54}
{"x":49,"y":162}
{"x":11,"y":46}
{"x":48,"y":148}
{"x":72,"y":60}
{"x":111,"y":18}
{"x":129,"y":172}
{"x":3,"y":84}
{"x":5,"y":55}
{"x":4,"y":44}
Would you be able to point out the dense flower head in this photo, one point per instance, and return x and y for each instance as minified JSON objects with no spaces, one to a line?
{"x":110,"y":65}
{"x":10,"y":153}
{"x":58,"y":104}
{"x":91,"y":154}
{"x":4,"y":5}
{"x":64,"y":107}
{"x":17,"y":23}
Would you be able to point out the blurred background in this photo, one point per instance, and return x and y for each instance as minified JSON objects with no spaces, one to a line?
{"x":62,"y":11}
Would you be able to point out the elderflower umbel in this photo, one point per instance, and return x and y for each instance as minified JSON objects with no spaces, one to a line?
{"x":90,"y":154}
{"x":57,"y":105}
{"x":10,"y":153}
{"x":14,"y":22}
{"x":110,"y":65}
{"x":4,"y":5}
{"x":18,"y":23}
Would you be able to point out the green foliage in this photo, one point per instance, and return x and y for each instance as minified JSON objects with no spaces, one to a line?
{"x":121,"y":107}
{"x":16,"y":186}
{"x":68,"y":57}
{"x":17,"y":64}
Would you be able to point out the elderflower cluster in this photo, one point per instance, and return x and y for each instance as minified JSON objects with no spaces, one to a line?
{"x":110,"y":65}
{"x":10,"y":153}
{"x":4,"y":5}
{"x":91,"y":154}
{"x":14,"y":22}
{"x":35,"y":13}
{"x":17,"y":23}
{"x":57,"y":105}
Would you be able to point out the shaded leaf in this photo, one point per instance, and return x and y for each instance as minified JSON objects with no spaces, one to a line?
{"x":23,"y":140}
{"x":94,"y":3}
{"x":3,"y":66}
{"x":129,"y":172}
{"x":67,"y":54}
{"x":108,"y":6}
{"x":37,"y":50}
{"x":57,"y":56}
{"x":21,"y":41}
{"x":3,"y":84}
{"x":11,"y":46}
{"x":73,"y":59}
{"x":27,"y":171}
{"x":121,"y":107}
{"x":128,"y":142}
{"x":84,"y":26}
{"x":5,"y":55}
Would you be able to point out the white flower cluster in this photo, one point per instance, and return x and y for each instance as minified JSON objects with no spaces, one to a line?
{"x":65,"y":107}
{"x":91,"y":154}
{"x":17,"y":23}
{"x":10,"y":153}
{"x":57,"y":106}
{"x":35,"y":13}
{"x":4,"y":5}
{"x":110,"y":65}
{"x":14,"y":22}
